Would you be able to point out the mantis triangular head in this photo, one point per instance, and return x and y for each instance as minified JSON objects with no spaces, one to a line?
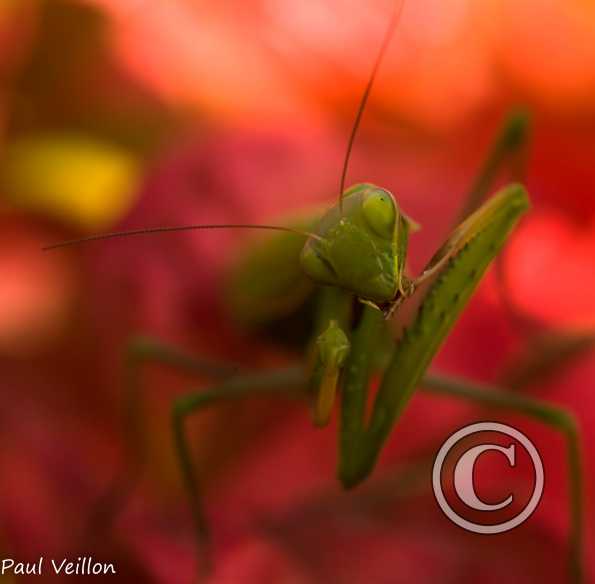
{"x":362,"y":245}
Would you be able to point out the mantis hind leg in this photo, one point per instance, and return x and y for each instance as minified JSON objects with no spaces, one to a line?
{"x":141,"y":351}
{"x":557,"y":418}
{"x":286,"y":382}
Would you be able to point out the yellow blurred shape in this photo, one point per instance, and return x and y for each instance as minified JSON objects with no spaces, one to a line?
{"x":81,"y":181}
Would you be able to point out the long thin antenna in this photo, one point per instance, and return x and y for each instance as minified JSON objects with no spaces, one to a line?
{"x":392,"y":25}
{"x":150,"y":230}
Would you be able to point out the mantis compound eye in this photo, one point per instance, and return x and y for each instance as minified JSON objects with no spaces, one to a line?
{"x":380,"y":211}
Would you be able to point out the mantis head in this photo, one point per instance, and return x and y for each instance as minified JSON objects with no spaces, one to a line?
{"x":362,"y":245}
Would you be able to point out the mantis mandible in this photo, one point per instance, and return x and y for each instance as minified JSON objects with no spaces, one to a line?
{"x":357,"y":254}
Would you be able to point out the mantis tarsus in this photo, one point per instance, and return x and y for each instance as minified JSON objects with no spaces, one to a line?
{"x":357,"y":252}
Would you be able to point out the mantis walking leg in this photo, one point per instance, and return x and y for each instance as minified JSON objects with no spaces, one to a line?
{"x":290,"y":383}
{"x":140,"y":351}
{"x":143,"y":350}
{"x":287,"y":382}
{"x":551,"y":415}
{"x":509,"y":145}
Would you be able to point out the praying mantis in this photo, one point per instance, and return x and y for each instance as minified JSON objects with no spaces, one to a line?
{"x":356,"y":254}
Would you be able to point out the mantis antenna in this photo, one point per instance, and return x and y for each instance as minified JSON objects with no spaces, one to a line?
{"x":150,"y":230}
{"x":392,"y":25}
{"x":398,"y":9}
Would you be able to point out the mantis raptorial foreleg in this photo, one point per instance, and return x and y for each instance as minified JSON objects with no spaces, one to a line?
{"x":471,"y":248}
{"x":354,"y":392}
{"x":329,"y":349}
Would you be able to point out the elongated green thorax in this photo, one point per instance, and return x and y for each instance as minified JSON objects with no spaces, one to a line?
{"x":363,"y":246}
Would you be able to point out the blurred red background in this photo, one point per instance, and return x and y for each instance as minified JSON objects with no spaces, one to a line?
{"x":130,"y":114}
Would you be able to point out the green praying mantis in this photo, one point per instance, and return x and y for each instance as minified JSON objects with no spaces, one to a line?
{"x":356,"y":254}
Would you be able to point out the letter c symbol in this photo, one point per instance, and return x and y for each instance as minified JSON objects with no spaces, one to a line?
{"x":463,"y":477}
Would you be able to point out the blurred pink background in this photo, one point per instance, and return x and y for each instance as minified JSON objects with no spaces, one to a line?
{"x":142,"y":113}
